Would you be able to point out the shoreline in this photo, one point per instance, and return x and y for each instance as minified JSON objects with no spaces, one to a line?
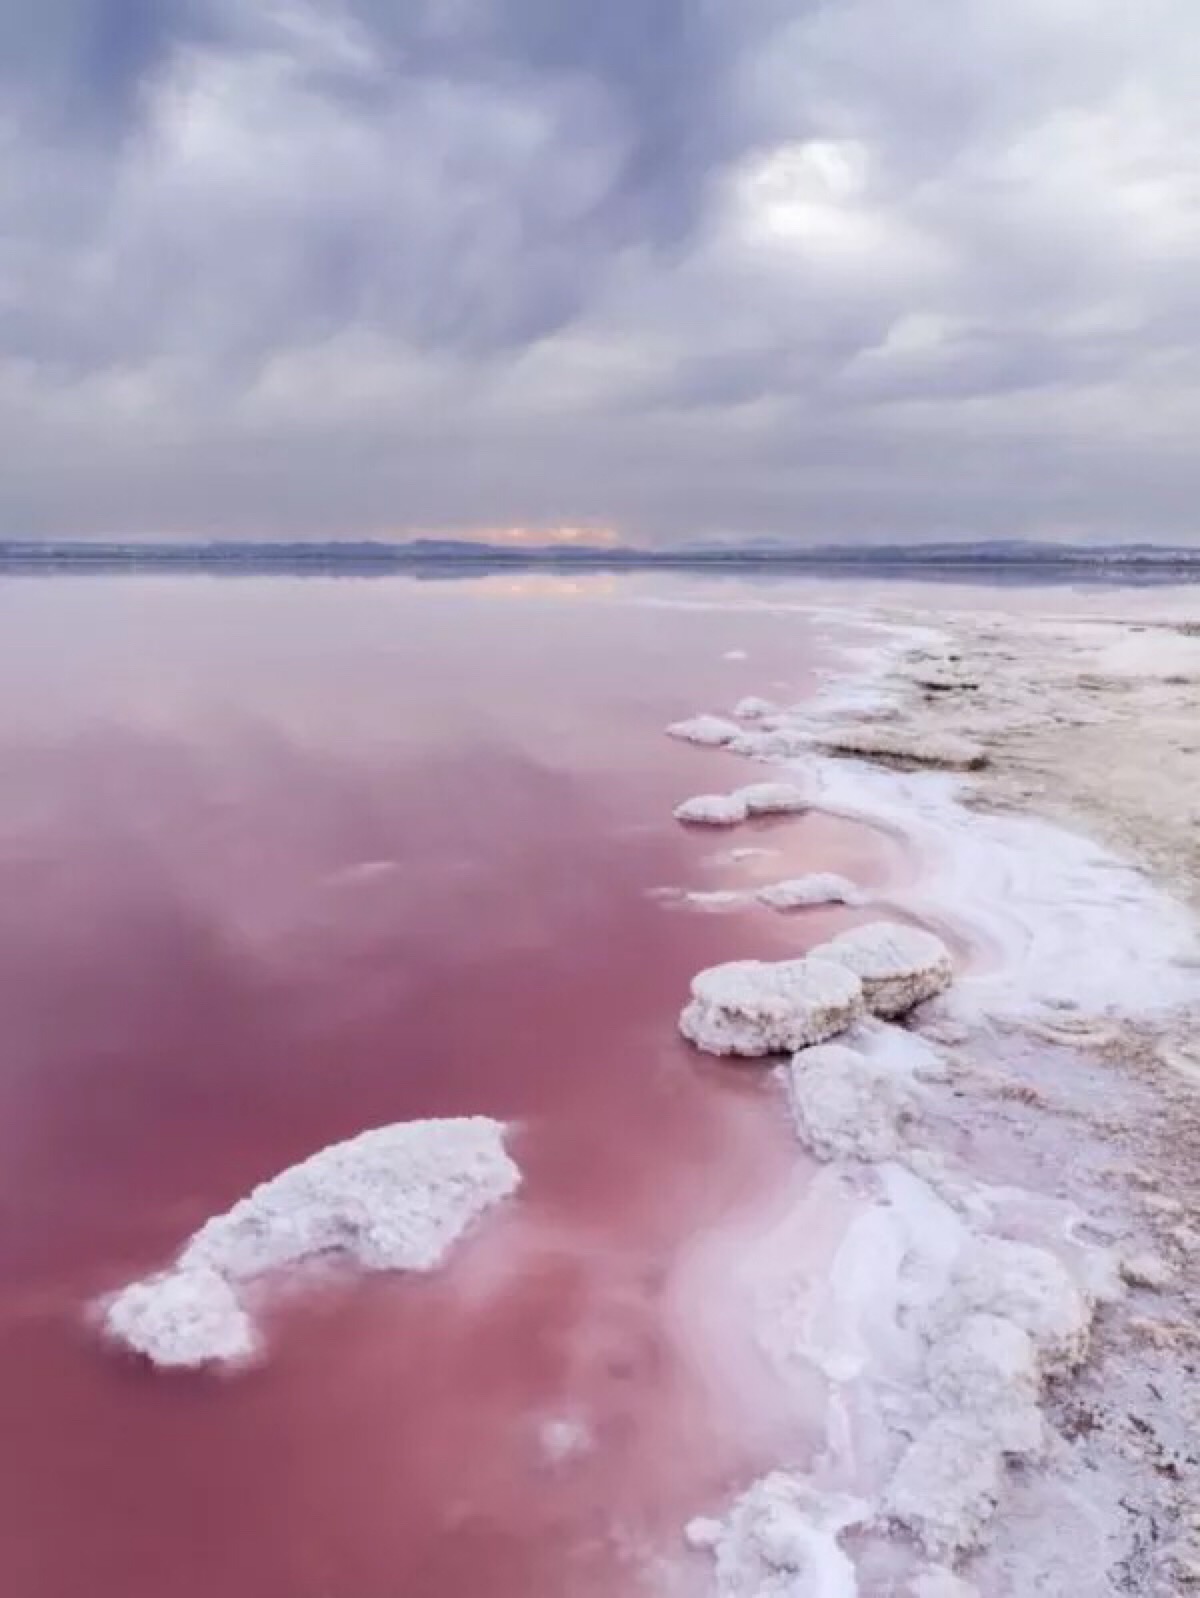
{"x":1060,"y":1055}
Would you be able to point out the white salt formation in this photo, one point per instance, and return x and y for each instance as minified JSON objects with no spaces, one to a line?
{"x":1010,"y":1316}
{"x":188,"y":1316}
{"x":727,"y":809}
{"x":901,"y":747}
{"x":757,"y":1007}
{"x":899,"y":965}
{"x":846,"y":1105}
{"x":393,"y":1199}
{"x":712,"y":810}
{"x":818,"y":887}
{"x":780,"y":1540}
{"x":709,"y":731}
{"x":986,"y":1367}
{"x":947,"y":1484}
{"x":1028,"y":1286}
{"x":772,"y":799}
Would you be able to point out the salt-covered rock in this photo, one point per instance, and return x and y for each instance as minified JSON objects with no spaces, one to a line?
{"x":393,"y":1199}
{"x":709,"y":731}
{"x":845,"y":1105}
{"x":1028,"y":1286}
{"x":780,"y":1540}
{"x":898,"y":746}
{"x":712,"y":810}
{"x":757,"y":1007}
{"x":818,"y":887}
{"x":772,"y":799}
{"x":899,"y":965}
{"x":985,"y":1367}
{"x":947,"y":1484}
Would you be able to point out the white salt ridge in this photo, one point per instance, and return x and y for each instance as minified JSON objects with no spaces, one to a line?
{"x":818,"y":887}
{"x":393,"y":1199}
{"x":780,"y":1540}
{"x":899,"y":966}
{"x":708,"y":731}
{"x":757,"y":1007}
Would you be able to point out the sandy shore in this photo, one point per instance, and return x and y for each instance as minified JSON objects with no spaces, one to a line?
{"x":1045,"y":771}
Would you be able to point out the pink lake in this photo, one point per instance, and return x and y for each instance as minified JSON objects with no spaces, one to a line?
{"x":281,"y":860}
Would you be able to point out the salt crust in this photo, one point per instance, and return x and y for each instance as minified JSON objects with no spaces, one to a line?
{"x":905,"y":747}
{"x":757,"y":1007}
{"x":899,"y":965}
{"x":708,"y":731}
{"x":392,"y":1199}
{"x":818,"y":887}
{"x":846,"y":1105}
{"x":727,"y":809}
{"x":712,"y":810}
{"x":780,"y":1540}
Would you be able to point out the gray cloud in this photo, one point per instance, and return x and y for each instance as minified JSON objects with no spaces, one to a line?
{"x":867,"y":269}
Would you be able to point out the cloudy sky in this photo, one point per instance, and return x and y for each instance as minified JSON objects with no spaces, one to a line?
{"x":817,"y":269}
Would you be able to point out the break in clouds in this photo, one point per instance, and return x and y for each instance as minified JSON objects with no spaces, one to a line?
{"x":679,"y":268}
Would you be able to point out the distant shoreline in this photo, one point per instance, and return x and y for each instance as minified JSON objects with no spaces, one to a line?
{"x":434,"y":559}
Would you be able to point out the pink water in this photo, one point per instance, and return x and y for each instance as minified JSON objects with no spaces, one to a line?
{"x":280,"y":861}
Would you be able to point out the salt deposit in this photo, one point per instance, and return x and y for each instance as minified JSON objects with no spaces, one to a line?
{"x":712,"y":810}
{"x":772,"y":799}
{"x":947,"y":1484}
{"x":186,"y":1316}
{"x":756,"y":1007}
{"x":727,"y":809}
{"x":709,"y":731}
{"x":1027,"y":1286}
{"x":899,"y":965}
{"x":986,"y":1367}
{"x":393,"y":1199}
{"x":845,"y":1105}
{"x":818,"y":887}
{"x":780,"y":1540}
{"x":912,"y":747}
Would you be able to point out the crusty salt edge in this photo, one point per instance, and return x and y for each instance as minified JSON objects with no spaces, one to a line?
{"x":995,"y":1317}
{"x":393,"y":1199}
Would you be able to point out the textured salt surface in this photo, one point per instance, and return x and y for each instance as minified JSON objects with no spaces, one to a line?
{"x":818,"y":887}
{"x":393,"y":1199}
{"x":780,"y":1540}
{"x":756,"y":1007}
{"x":905,"y":747}
{"x":846,"y":1105}
{"x":899,"y":966}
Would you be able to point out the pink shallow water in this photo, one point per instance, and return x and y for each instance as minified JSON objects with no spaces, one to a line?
{"x":282,"y":861}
